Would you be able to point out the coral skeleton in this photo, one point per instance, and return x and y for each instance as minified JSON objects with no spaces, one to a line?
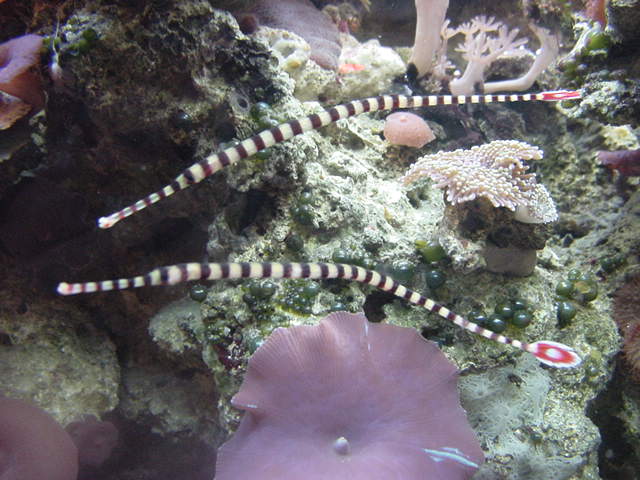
{"x":548,"y":352}
{"x":494,"y":171}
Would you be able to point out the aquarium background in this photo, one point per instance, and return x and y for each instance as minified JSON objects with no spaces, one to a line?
{"x":104,"y":102}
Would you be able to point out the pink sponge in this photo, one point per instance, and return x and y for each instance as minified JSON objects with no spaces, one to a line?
{"x":408,"y":129}
{"x":349,"y":399}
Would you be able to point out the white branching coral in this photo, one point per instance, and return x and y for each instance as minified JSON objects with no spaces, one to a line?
{"x":495,"y":171}
{"x":486,"y":40}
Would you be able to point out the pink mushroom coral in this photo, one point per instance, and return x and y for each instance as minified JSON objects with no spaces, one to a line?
{"x":405,"y":128}
{"x":349,"y":399}
{"x":32,"y":445}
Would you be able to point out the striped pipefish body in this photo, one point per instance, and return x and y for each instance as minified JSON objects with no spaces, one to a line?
{"x":550,"y":353}
{"x":267,"y":138}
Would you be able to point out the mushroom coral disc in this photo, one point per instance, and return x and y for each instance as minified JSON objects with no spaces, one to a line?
{"x":32,"y":444}
{"x":349,"y":399}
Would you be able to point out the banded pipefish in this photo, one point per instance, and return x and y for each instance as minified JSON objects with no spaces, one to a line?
{"x":548,"y":352}
{"x":285,"y":131}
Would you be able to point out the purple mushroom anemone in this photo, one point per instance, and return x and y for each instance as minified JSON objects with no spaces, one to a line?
{"x":20,"y":85}
{"x":302,"y":18}
{"x":349,"y":399}
{"x":32,"y":444}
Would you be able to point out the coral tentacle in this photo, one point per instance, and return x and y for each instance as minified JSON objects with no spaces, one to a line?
{"x":267,"y":138}
{"x":551,"y":353}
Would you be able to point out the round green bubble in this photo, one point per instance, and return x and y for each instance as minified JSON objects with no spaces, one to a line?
{"x":342,"y":256}
{"x":573,"y":274}
{"x":311,"y":290}
{"x":519,"y":304}
{"x":338,"y":307}
{"x":305,"y":198}
{"x":610,"y":264}
{"x":260,"y":109}
{"x":403,"y":272}
{"x":294,"y":242}
{"x":522,"y":318}
{"x":82,"y":46}
{"x":565,"y":288}
{"x":267,"y":122}
{"x":262,"y":291}
{"x":477,"y":317}
{"x":505,"y":311}
{"x":435,"y":279}
{"x":90,"y":35}
{"x":495,"y":323}
{"x":565,"y":312}
{"x":198,"y":293}
{"x":586,"y":287}
{"x":249,"y":299}
{"x":302,"y":214}
{"x":430,"y":251}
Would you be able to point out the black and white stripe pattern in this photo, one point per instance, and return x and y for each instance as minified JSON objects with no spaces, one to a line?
{"x":171,"y":275}
{"x":267,"y":138}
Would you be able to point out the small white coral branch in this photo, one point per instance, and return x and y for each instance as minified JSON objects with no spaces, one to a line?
{"x":485,"y":40}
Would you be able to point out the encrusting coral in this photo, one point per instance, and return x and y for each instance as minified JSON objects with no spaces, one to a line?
{"x":494,"y":171}
{"x":349,"y":399}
